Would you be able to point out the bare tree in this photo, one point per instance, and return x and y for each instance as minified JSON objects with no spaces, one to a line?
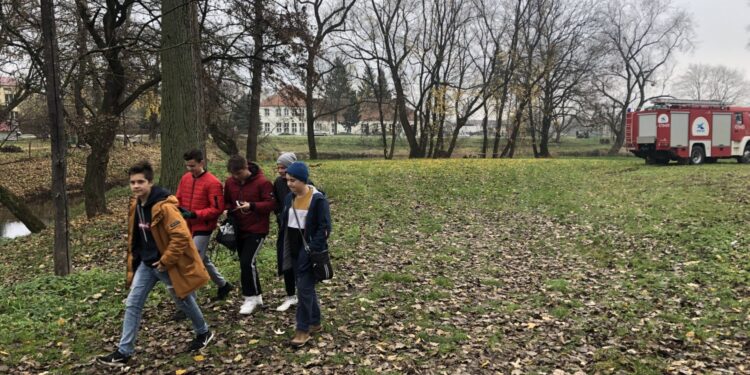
{"x":640,"y":36}
{"x":365,"y":43}
{"x":567,"y":57}
{"x":21,"y":62}
{"x":712,"y":82}
{"x":507,"y":27}
{"x":531,"y":71}
{"x":328,"y":17}
{"x":111,"y":29}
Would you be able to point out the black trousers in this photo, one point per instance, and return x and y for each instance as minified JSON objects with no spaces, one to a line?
{"x":249,"y":247}
{"x":289,"y":282}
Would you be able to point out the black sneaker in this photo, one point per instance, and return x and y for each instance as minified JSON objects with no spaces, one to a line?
{"x":179,"y":315}
{"x":223,"y":291}
{"x":201,"y":341}
{"x":114,"y":359}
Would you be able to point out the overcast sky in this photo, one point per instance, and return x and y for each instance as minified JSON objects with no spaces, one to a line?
{"x":721,"y":33}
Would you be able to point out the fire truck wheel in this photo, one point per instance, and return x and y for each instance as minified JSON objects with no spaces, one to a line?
{"x":745,"y":158}
{"x":698,"y":155}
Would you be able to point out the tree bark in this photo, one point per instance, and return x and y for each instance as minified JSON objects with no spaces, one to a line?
{"x":532,"y":128}
{"x":183,"y":121}
{"x":485,"y":139}
{"x":310,"y":116}
{"x":18,"y":208}
{"x":101,"y":141}
{"x":253,"y":129}
{"x":57,"y":132}
{"x":498,"y":128}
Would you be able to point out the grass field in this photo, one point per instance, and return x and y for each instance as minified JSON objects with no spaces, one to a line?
{"x":442,"y":266}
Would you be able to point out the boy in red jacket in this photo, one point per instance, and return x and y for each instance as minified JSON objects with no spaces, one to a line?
{"x":249,"y":199}
{"x":201,"y":203}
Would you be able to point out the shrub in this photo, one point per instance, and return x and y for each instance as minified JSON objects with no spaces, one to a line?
{"x":10,"y":149}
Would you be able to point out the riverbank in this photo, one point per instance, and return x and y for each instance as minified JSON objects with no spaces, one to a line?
{"x":28,"y":174}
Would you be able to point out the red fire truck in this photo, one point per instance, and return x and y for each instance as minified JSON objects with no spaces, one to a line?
{"x":689,"y":131}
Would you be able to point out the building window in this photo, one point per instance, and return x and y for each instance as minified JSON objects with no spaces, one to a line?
{"x":267,"y":112}
{"x":8,"y":98}
{"x":278,"y":127}
{"x":294,"y":128}
{"x":278,"y":111}
{"x":286,"y":111}
{"x":286,"y":127}
{"x":267,"y":127}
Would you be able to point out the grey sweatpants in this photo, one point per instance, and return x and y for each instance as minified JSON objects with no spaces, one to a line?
{"x":201,"y":242}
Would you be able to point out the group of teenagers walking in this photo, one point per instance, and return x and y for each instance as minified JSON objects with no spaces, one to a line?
{"x":168,"y":237}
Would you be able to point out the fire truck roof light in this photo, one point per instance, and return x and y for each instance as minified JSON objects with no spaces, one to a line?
{"x":685,"y":102}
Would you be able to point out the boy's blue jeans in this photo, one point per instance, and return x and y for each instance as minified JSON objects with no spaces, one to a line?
{"x":144,"y":280}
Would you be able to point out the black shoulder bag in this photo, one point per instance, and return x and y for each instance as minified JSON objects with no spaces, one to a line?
{"x":227,"y":234}
{"x":321,"y":261}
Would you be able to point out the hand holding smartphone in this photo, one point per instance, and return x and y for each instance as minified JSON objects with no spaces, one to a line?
{"x":240,"y":205}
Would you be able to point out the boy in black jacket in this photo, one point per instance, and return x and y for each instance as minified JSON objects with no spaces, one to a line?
{"x":280,"y":191}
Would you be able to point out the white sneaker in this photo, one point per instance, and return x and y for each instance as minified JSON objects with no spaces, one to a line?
{"x":289,"y":301}
{"x":251,"y":303}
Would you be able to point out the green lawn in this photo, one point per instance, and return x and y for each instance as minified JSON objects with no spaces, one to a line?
{"x":457,"y":266}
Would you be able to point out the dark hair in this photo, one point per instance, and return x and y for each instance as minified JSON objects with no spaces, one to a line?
{"x":142,"y":167}
{"x":193,"y":154}
{"x":236,"y":163}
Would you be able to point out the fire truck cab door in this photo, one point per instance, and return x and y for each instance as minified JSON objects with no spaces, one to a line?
{"x":678,"y":133}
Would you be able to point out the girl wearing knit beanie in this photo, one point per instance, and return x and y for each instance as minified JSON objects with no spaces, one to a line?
{"x":305,"y":226}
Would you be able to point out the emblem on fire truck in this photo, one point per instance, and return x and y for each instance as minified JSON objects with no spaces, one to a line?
{"x":700,"y":127}
{"x":663,"y":118}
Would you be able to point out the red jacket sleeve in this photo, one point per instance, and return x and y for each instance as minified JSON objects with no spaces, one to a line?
{"x":178,"y":193}
{"x":215,"y":202}
{"x":266,"y":203}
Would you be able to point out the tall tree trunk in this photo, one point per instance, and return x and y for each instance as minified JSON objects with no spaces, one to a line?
{"x":415,"y":151}
{"x":617,"y":145}
{"x":460,"y":123}
{"x":251,"y":152}
{"x":153,"y":126}
{"x":510,"y":147}
{"x":547,"y":109}
{"x":532,"y":127}
{"x":101,"y":138}
{"x":59,"y":142}
{"x":498,"y":129}
{"x":183,"y":120}
{"x":382,"y":128}
{"x":485,"y":139}
{"x":544,"y":141}
{"x":79,"y":81}
{"x":310,"y":115}
{"x":619,"y":134}
{"x":393,"y":133}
